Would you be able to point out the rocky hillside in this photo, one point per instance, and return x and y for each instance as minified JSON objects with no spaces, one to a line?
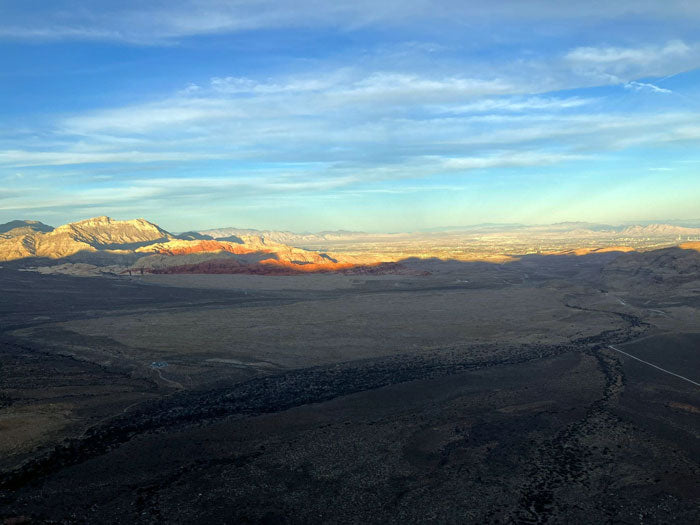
{"x":141,"y":246}
{"x":84,"y":237}
{"x":106,"y":233}
{"x":656,"y":268}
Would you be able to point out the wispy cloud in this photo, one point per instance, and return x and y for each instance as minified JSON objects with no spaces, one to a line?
{"x":239,"y":85}
{"x":21,"y":158}
{"x":609,"y":65}
{"x":511,"y":159}
{"x":518,"y":104}
{"x":160,"y":22}
{"x":645,"y":86}
{"x":344,"y":116}
{"x":628,"y":55}
{"x":397,"y":99}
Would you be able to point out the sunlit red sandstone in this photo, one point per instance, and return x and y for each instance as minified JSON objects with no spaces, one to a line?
{"x":263,"y":257}
{"x":189,"y":248}
{"x":588,"y":251}
{"x":695,"y":245}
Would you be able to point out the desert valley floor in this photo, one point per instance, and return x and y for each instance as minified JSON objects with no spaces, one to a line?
{"x":468,"y":392}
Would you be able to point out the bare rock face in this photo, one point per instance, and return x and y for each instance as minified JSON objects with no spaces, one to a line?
{"x":17,"y":247}
{"x":104,"y":232}
{"x":92,"y":235}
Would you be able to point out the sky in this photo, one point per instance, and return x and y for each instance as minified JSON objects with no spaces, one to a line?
{"x":379,"y":116}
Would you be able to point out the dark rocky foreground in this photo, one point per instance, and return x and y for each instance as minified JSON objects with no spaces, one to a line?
{"x":389,"y":441}
{"x":567,"y":433}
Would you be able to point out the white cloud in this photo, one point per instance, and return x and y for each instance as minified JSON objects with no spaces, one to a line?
{"x":518,"y":104}
{"x":620,"y":65}
{"x":239,"y":85}
{"x":648,"y":87}
{"x":627,"y":55}
{"x":189,"y":89}
{"x":145,"y":117}
{"x":508,"y":159}
{"x":683,"y":133}
{"x":280,"y":106}
{"x":386,"y":84}
{"x":382,"y":117}
{"x":23,"y":158}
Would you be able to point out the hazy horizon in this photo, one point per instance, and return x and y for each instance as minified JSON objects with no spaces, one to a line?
{"x":690,"y":223}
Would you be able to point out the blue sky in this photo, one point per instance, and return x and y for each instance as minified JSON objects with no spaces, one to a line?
{"x":380,"y":116}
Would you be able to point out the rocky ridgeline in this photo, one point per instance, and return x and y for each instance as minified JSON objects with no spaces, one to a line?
{"x":141,"y":246}
{"x":89,"y":236}
{"x":113,"y":246}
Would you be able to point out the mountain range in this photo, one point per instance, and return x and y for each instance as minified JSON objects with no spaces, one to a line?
{"x":142,"y":246}
{"x":580,"y":228}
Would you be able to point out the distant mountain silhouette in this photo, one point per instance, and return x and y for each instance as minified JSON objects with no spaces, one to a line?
{"x":15,"y":228}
